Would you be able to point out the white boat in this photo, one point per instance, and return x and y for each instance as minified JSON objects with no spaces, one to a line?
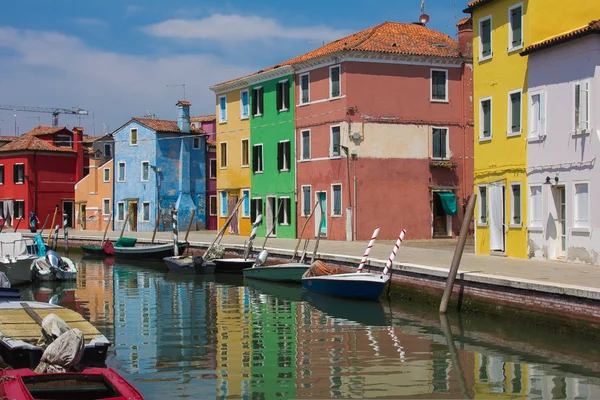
{"x":53,"y":267}
{"x":15,"y":259}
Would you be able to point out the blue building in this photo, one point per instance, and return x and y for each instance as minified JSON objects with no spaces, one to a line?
{"x":159,"y":166}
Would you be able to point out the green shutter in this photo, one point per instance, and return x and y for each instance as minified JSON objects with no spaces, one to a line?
{"x":486,"y":38}
{"x":516,"y":189}
{"x":517,"y":36}
{"x":486,"y":118}
{"x":436,"y":143}
{"x":515,"y":100}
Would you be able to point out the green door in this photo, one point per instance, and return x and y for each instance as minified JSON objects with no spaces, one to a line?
{"x":323,"y":208}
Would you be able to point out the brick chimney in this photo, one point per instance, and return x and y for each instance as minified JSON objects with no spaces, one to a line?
{"x":465,"y":37}
{"x":78,"y":147}
{"x":183,"y":117}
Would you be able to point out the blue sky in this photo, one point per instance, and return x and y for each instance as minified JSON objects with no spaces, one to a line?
{"x":115,"y":57}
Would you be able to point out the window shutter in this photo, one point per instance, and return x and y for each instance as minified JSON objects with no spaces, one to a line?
{"x":515,"y":99}
{"x":279,"y":156}
{"x":254,"y":101}
{"x":254,"y":158}
{"x":486,"y":34}
{"x":486,"y":118}
{"x":443,"y":142}
{"x":260,"y":100}
{"x":280,"y":211}
{"x":436,"y":143}
{"x":288,"y":210}
{"x":516,"y":26}
{"x":577,"y":106}
{"x":286,"y":94}
{"x":583,"y":105}
{"x":287,"y":154}
{"x":542,"y":114}
{"x":253,"y":211}
{"x":279,"y":96}
{"x":304,"y":87}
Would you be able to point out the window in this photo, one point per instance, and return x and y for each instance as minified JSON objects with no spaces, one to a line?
{"x":105,"y":206}
{"x":439,"y":85}
{"x":537,"y":113}
{"x":535,"y":206}
{"x":106,"y":177}
{"x":305,"y":155}
{"x":334,"y":81}
{"x":246,"y":203}
{"x":336,"y":200}
{"x":257,"y":101}
{"x":212,"y":206}
{"x":107,"y":150}
{"x":146,"y":211}
{"x":257,"y":158}
{"x":244,"y":104}
{"x":120,"y":211}
{"x":64,"y":141}
{"x":515,"y":29}
{"x":19,"y":209}
{"x":485,"y":119}
{"x":283,"y":155}
{"x":283,"y":95}
{"x":335,"y":142}
{"x":284,"y":209}
{"x":306,"y":201}
{"x":196,"y":143}
{"x":515,"y":201}
{"x":256,"y":208}
{"x":581,"y":206}
{"x":145,"y":171}
{"x":223,"y":155}
{"x":222,"y":109}
{"x":581,"y":109}
{"x":133,"y":137}
{"x":121,"y":176}
{"x":1,"y":174}
{"x":19,"y":173}
{"x":304,"y":88}
{"x":482,"y":205}
{"x":223,"y":204}
{"x":213,"y":168}
{"x":439,"y":143}
{"x":514,"y":112}
{"x":485,"y":38}
{"x":245,"y":152}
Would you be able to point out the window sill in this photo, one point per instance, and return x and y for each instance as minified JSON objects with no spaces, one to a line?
{"x":440,"y":158}
{"x":212,"y":215}
{"x":439,"y":100}
{"x":485,"y":139}
{"x":539,"y":138}
{"x":132,"y":144}
{"x":535,"y":229}
{"x":581,"y":133}
{"x":245,"y":166}
{"x":286,"y":224}
{"x":284,"y":170}
{"x":243,"y":118}
{"x":332,"y":98}
{"x":515,"y":48}
{"x":585,"y":231}
{"x":105,"y":215}
{"x":245,"y":216}
{"x":482,"y":224}
{"x":515,"y":226}
{"x":335,"y":157}
{"x":336,"y":216}
{"x":222,"y":122}
{"x":145,"y":180}
{"x":482,"y":59}
{"x":514,"y":134}
{"x":213,"y":178}
{"x":303,"y":104}
{"x":258,"y":172}
{"x":120,"y":181}
{"x":257,"y":115}
{"x":283,"y":110}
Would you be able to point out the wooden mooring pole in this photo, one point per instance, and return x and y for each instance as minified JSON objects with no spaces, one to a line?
{"x":460,"y":246}
{"x":175,"y":232}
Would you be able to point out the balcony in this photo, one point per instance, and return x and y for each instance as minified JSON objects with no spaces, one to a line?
{"x":442,"y":164}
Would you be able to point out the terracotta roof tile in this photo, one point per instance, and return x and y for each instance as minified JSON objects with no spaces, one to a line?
{"x":45,"y":130}
{"x":592,"y":27}
{"x":29,"y":142}
{"x":184,"y":103}
{"x":464,"y":21}
{"x":161,"y":125}
{"x":388,"y":37}
{"x":204,"y":118}
{"x":7,"y":138}
{"x":476,"y":3}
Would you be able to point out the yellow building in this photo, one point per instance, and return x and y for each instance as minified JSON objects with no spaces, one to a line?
{"x":551,"y":18}
{"x":233,"y":161}
{"x":500,"y":32}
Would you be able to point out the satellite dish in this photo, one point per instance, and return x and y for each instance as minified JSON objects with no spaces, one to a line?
{"x":424,"y":19}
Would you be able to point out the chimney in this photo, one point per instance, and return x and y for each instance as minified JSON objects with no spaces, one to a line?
{"x":465,"y":37}
{"x":78,"y":147}
{"x":183,"y":117}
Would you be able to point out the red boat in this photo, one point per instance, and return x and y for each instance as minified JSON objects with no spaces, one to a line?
{"x":91,"y":384}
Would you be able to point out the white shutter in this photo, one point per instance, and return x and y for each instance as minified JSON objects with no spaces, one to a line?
{"x":542,"y":126}
{"x":583,"y":106}
{"x":496,"y":218}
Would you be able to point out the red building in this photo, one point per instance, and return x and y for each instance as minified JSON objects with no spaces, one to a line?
{"x":38,"y":172}
{"x":384,"y":132}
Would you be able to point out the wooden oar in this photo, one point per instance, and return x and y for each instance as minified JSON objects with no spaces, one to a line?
{"x":106,"y":229}
{"x":155,"y":226}
{"x":124,"y":225}
{"x":274,"y":225}
{"x":227,"y":222}
{"x":44,"y":226}
{"x":52,"y":224}
{"x":312,"y":260}
{"x":18,"y":223}
{"x":302,"y":231}
{"x":187,"y":245}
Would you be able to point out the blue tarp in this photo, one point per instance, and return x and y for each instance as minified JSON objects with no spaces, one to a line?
{"x":448,"y":202}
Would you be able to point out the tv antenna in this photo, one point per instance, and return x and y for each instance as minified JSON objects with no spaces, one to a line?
{"x":183,"y":84}
{"x":150,"y":114}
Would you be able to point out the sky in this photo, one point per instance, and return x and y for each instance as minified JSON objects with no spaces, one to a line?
{"x":124,"y":58}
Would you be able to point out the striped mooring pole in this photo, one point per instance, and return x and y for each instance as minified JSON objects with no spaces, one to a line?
{"x":175,"y":233}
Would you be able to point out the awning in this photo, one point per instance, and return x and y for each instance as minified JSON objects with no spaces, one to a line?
{"x":448,"y":202}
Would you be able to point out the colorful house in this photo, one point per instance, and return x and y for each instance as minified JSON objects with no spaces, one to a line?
{"x":233,"y":155}
{"x":38,"y":172}
{"x":563,"y":142}
{"x":207,"y":124}
{"x":501,"y":122}
{"x":159,"y":165}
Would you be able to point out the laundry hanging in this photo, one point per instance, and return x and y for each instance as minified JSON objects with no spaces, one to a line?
{"x":448,"y":203}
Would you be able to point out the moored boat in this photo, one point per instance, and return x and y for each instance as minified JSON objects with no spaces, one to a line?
{"x":289,"y":272}
{"x":8,"y":293}
{"x":53,"y":267}
{"x":189,"y":265}
{"x":232,"y":265}
{"x":16,"y":257}
{"x":149,"y":252}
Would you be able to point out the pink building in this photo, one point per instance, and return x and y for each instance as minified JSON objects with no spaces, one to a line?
{"x":384,"y":133}
{"x":208,"y":124}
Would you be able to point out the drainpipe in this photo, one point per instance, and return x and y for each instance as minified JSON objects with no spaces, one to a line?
{"x":35,"y":183}
{"x":354,"y":157}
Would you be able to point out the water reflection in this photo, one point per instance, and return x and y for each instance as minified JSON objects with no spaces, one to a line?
{"x":219,"y":336}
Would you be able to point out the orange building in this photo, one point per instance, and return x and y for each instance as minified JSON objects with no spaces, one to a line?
{"x":93,"y":196}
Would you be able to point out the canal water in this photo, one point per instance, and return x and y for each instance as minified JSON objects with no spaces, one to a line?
{"x":218,"y":336}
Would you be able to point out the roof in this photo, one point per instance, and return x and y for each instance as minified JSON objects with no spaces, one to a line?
{"x":161,"y":125}
{"x":46,"y":130}
{"x":389,"y":37}
{"x":183,"y":103}
{"x":591,"y":28}
{"x":29,"y":142}
{"x":465,"y":21}
{"x":7,"y":138}
{"x":204,"y":118}
{"x":475,"y":4}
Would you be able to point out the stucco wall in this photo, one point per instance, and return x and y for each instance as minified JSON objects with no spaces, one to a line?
{"x":562,"y":153}
{"x":554,"y":17}
{"x":92,"y":189}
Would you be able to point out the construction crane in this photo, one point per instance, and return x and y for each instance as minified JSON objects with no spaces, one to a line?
{"x":51,"y":110}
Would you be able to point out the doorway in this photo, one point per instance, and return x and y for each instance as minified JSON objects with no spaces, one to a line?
{"x":132,"y":208}
{"x":82,"y":216}
{"x":442,"y":221}
{"x":321,"y":215}
{"x":234,"y":223}
{"x":271,"y":216}
{"x":497,"y":218}
{"x":560,"y":201}
{"x":68,"y":209}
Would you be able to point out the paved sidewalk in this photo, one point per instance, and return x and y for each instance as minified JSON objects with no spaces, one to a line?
{"x":552,"y":276}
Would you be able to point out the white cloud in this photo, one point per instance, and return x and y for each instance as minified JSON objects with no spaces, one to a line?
{"x":50,"y":69}
{"x":239,"y":28}
{"x":93,"y":22}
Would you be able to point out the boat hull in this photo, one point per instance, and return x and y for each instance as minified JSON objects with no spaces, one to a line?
{"x":364,"y":286}
{"x":189,"y":265}
{"x":19,"y":272}
{"x":149,"y":252}
{"x":93,"y":250}
{"x":232,"y":265}
{"x":290,"y":273}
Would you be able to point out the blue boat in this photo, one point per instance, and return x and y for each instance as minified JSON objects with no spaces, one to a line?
{"x":365,"y":286}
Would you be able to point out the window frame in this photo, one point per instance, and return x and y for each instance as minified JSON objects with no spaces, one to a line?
{"x":576,"y":129}
{"x":302,"y":102}
{"x":196,"y":143}
{"x":511,"y":47}
{"x":512,"y":223}
{"x":68,"y":143}
{"x":446,"y":99}
{"x":542,"y":127}
{"x":242,"y":115}
{"x":286,"y":157}
{"x":303,"y":155}
{"x":15,"y":176}
{"x":577,"y":227}
{"x":283,"y":210}
{"x":1,"y":174}
{"x":212,"y":170}
{"x":331,"y":68}
{"x":480,"y":221}
{"x":333,"y":213}
{"x":224,"y":161}
{"x":260,"y":105}
{"x":223,"y":110}
{"x":331,"y":154}
{"x":212,"y":199}
{"x":131,"y":141}
{"x":142,"y":171}
{"x":255,"y":170}
{"x":246,"y":210}
{"x":530,"y":201}
{"x":119,"y":205}
{"x":104,"y":202}
{"x":223,"y":205}
{"x":303,"y":199}
{"x":282,"y":94}
{"x":16,"y":209}
{"x":247,"y":164}
{"x":253,"y":204}
{"x":124,"y":164}
{"x":481,"y":119}
{"x":107,"y":146}
{"x":509,"y":131}
{"x":144,"y":204}
{"x":104,"y":171}
{"x":448,"y":155}
{"x":480,"y":42}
